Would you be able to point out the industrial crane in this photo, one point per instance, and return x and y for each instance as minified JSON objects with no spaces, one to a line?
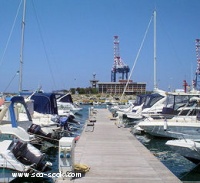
{"x":196,"y":81}
{"x":118,"y":66}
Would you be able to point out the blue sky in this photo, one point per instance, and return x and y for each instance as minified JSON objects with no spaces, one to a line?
{"x":66,"y":41}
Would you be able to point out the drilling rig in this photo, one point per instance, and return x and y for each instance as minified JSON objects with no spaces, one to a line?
{"x":118,"y":66}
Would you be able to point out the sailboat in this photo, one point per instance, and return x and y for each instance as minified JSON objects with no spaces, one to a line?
{"x":16,"y":151}
{"x":186,"y":123}
{"x":152,"y":103}
{"x":42,"y":124}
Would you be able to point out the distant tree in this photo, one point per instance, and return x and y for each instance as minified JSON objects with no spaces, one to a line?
{"x":81,"y":90}
{"x":72,"y":90}
{"x":94,"y":91}
{"x":88,"y":90}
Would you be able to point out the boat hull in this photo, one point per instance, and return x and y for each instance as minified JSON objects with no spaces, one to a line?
{"x":187,"y":128}
{"x":187,"y":148}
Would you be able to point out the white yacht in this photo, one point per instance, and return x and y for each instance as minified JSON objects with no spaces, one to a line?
{"x":150,"y":104}
{"x":153,"y":104}
{"x":172,"y":125}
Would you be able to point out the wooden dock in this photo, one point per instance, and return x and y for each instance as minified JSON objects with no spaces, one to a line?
{"x":114,"y":155}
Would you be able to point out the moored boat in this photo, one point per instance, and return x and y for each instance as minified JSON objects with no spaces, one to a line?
{"x":187,"y":148}
{"x":186,"y":123}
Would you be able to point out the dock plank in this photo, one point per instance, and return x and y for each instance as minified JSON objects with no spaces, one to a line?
{"x":116,"y":156}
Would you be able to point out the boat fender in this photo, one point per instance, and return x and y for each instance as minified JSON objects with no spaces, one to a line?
{"x":165,"y":124}
{"x":77,"y":138}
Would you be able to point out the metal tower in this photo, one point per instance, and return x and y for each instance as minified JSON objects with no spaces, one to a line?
{"x":94,"y":81}
{"x":118,"y":66}
{"x":196,"y":82}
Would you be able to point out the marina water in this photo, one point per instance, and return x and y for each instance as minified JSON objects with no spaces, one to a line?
{"x":184,"y":169}
{"x":178,"y":165}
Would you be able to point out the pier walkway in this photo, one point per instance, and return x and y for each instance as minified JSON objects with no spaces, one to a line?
{"x":114,"y":155}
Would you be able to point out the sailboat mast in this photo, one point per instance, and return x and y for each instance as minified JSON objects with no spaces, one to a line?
{"x":155,"y":77}
{"x":22,"y":47}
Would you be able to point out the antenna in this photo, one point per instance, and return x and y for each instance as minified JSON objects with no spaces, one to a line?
{"x":155,"y":59}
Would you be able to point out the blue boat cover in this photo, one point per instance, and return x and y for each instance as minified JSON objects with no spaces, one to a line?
{"x":45,"y":103}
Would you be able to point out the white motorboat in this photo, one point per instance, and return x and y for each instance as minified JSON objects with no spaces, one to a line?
{"x":21,"y":156}
{"x":122,"y":107}
{"x":8,"y":160}
{"x":16,"y":152}
{"x":152,"y":104}
{"x":186,"y":123}
{"x":65,"y":102}
{"x":177,"y":127}
{"x":9,"y":125}
{"x":45,"y":113}
{"x":124,"y":110}
{"x":16,"y":118}
{"x":187,"y":148}
{"x":111,"y":101}
{"x":132,"y":107}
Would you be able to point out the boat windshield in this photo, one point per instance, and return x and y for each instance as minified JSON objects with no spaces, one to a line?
{"x":177,"y":101}
{"x":151,"y":100}
{"x":139,"y":100}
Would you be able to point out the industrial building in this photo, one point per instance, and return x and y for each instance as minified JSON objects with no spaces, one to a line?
{"x":118,"y":87}
{"x":121,"y":86}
